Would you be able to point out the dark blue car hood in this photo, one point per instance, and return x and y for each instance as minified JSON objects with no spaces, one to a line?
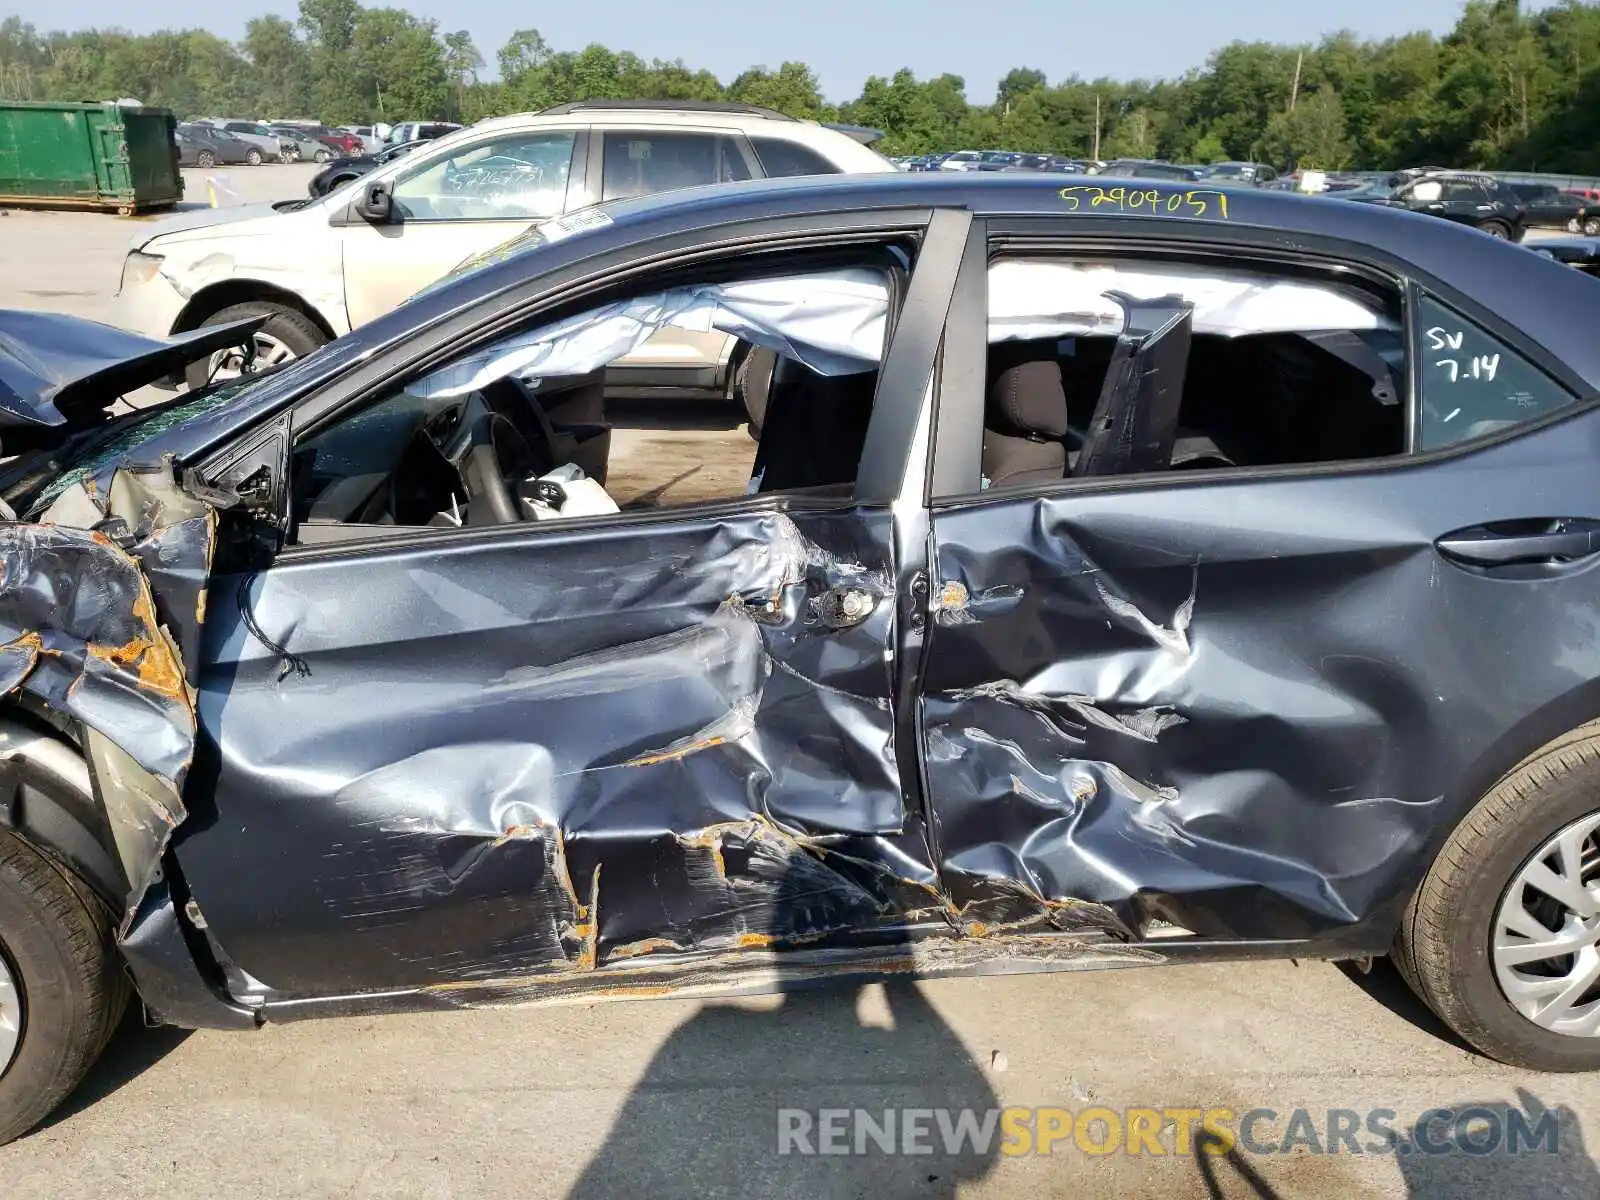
{"x":65,"y":372}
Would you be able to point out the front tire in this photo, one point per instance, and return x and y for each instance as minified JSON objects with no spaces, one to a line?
{"x":322,"y":156}
{"x":1591,"y":226}
{"x":253,"y":158}
{"x":1496,"y":230}
{"x":1479,"y":941}
{"x":288,"y":334}
{"x":64,"y":980}
{"x":205,"y":159}
{"x":752,"y":384}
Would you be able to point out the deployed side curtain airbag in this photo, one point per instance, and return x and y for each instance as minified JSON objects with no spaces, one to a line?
{"x":1032,"y":300}
{"x":831,"y":321}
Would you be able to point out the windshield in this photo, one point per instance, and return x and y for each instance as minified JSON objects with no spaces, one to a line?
{"x":90,"y":453}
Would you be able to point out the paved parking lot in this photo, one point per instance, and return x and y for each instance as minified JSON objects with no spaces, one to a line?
{"x":676,"y":1098}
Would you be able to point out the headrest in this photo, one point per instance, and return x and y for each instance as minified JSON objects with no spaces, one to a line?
{"x":1027,"y":399}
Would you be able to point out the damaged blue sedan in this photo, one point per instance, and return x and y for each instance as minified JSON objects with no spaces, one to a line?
{"x":1121,"y":574}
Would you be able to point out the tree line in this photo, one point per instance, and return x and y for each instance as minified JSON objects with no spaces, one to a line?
{"x":1504,"y":89}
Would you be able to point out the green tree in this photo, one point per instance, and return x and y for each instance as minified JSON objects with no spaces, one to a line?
{"x":1312,"y":136}
{"x":280,"y":69}
{"x":791,"y":89}
{"x":330,"y":28}
{"x":400,"y":66}
{"x":1018,"y":82}
{"x":462,"y":62}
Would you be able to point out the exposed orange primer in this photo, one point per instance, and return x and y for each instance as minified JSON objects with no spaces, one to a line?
{"x":649,"y":760}
{"x":644,"y":946}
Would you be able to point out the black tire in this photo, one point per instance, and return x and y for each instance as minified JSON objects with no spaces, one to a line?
{"x":205,"y":159}
{"x":1496,"y":229}
{"x":321,"y":156}
{"x":1442,"y":950}
{"x":57,"y":944}
{"x":752,"y":383}
{"x":1591,"y":226}
{"x":1574,"y":225}
{"x":253,"y":158}
{"x":293,"y":328}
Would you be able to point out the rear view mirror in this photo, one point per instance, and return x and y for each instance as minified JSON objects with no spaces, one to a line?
{"x":375,"y":204}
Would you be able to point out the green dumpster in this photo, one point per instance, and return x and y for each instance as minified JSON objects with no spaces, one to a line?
{"x":88,"y":156}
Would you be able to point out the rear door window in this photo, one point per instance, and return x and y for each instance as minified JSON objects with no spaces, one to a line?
{"x":649,"y":161}
{"x":781,"y":159}
{"x":1473,"y":384}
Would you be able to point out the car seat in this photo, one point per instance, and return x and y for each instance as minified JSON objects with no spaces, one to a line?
{"x":1026,"y":416}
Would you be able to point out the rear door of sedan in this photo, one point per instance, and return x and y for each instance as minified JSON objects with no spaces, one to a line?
{"x":1233,"y":614}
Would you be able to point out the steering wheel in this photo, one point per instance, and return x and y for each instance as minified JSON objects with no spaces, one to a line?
{"x":496,"y":453}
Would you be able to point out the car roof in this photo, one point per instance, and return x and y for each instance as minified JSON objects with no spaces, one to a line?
{"x":1462,"y":258}
{"x":1501,"y":277}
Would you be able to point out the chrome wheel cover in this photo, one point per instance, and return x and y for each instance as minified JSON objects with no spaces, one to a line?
{"x":229,"y":364}
{"x":10,"y":1014}
{"x":1545,"y":942}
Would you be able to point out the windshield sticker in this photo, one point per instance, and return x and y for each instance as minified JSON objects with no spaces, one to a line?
{"x":1192,"y":202}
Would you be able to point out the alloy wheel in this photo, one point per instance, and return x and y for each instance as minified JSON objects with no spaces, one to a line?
{"x":229,"y":364}
{"x":1546,"y":933}
{"x":10,"y":1014}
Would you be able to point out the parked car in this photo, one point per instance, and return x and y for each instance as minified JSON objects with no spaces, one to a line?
{"x":925,"y":696}
{"x":342,"y":170}
{"x":260,"y":136}
{"x":337,"y":140}
{"x":212,"y":147}
{"x":371,"y":141}
{"x":420,"y":131}
{"x":358,"y":252}
{"x":1252,"y":174}
{"x":961,"y":160}
{"x":1580,"y":253}
{"x":1551,"y":208}
{"x":998,"y":160}
{"x":1141,"y":168}
{"x":302,"y":146}
{"x":1480,"y":201}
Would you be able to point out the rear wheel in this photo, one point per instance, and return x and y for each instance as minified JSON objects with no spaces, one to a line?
{"x":62,"y":989}
{"x":1574,"y":225}
{"x":1497,"y":230}
{"x":1591,"y":226}
{"x":288,"y":334}
{"x":1503,"y":938}
{"x":253,"y":158}
{"x":205,"y":159}
{"x":321,"y":156}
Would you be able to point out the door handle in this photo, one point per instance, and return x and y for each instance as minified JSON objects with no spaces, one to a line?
{"x":1556,"y":540}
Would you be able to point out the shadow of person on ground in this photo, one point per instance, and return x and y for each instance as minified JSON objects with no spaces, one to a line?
{"x":1218,"y":1166}
{"x":1547,"y":1162}
{"x":707,"y":1119}
{"x":133,"y":1049}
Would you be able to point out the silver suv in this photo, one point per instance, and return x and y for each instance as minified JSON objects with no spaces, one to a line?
{"x":323,"y":266}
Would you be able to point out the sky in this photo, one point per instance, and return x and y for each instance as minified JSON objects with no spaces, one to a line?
{"x":844,"y":41}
